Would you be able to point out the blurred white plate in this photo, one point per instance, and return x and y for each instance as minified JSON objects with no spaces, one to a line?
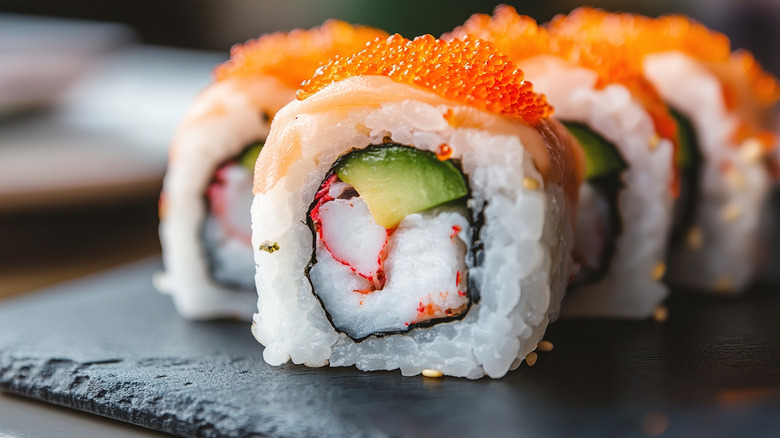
{"x":40,"y":57}
{"x":108,"y":137}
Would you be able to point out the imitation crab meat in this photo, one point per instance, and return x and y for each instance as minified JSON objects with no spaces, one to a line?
{"x":353,"y":237}
{"x":230,"y":197}
{"x":593,"y":233}
{"x":348,"y":230}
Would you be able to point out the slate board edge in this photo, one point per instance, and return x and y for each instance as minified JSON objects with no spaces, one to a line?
{"x":80,"y":395}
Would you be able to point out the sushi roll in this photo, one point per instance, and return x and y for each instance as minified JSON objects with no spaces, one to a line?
{"x":207,"y":192}
{"x":413,"y":210}
{"x":625,"y":204}
{"x":722,"y":101}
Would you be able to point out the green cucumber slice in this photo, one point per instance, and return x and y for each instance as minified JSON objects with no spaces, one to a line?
{"x":687,"y":155}
{"x":601,"y":156}
{"x":396,"y":181}
{"x":248,"y":158}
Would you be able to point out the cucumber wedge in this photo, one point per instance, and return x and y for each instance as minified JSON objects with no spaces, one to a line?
{"x":601,"y":156}
{"x":689,"y":160}
{"x":249,"y":156}
{"x":687,"y":155}
{"x":396,"y":180}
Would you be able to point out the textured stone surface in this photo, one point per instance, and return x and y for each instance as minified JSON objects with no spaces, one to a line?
{"x":111,"y":345}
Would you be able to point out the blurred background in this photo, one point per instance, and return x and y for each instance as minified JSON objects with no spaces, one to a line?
{"x":91,"y":91}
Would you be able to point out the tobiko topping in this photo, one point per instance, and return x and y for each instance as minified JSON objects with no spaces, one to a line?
{"x":644,"y":35}
{"x":518,"y":36}
{"x":293,"y":57}
{"x":578,"y":41}
{"x":469,"y":71}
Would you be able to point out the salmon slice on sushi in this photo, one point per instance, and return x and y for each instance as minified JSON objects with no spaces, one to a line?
{"x":205,"y":226}
{"x":413,"y":210}
{"x":625,"y":204}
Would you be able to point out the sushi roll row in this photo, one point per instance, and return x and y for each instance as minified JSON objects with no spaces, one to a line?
{"x":419,"y":204}
{"x":680,"y":165}
{"x":721,"y":101}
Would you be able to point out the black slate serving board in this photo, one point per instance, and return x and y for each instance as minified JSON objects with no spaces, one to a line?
{"x":113,"y":346}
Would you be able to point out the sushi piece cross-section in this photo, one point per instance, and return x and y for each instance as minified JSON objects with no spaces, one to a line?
{"x":413,"y":209}
{"x":629,"y":139}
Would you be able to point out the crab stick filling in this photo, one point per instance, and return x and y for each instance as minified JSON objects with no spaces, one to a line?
{"x":375,"y":277}
{"x":227,"y":228}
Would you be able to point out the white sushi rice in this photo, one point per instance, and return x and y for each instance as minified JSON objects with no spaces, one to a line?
{"x":722,"y":255}
{"x":629,"y":289}
{"x":222,"y":121}
{"x":527,"y":239}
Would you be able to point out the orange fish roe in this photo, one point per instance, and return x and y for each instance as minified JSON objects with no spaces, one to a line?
{"x":444,"y":152}
{"x":765,"y":87}
{"x":521,"y":38}
{"x":293,"y":57}
{"x":644,"y":36}
{"x":469,"y":71}
{"x":590,"y":38}
{"x":517,"y":36}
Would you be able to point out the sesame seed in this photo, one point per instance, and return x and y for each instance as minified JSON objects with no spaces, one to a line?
{"x":531,"y":359}
{"x":694,"y":239}
{"x":530,"y":183}
{"x":432,"y":373}
{"x":545,"y":346}
{"x":269,"y":247}
{"x":654,"y":140}
{"x":730,"y":213}
{"x":660,"y":314}
{"x":751,"y":150}
{"x":659,"y":271}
